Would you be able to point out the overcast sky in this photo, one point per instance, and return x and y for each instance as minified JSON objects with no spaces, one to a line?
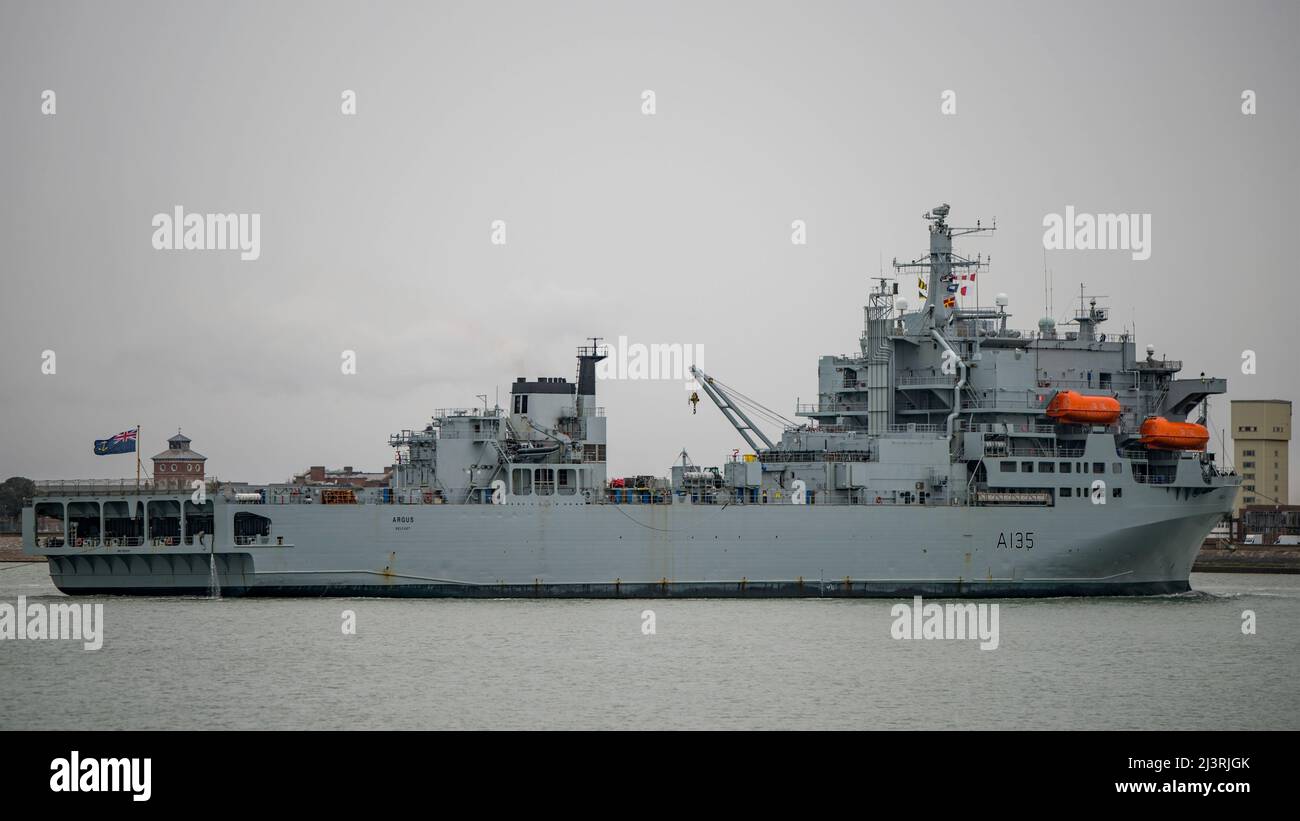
{"x":376,"y":228}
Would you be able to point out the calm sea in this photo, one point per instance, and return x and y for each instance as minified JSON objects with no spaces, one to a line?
{"x":1169,"y":662}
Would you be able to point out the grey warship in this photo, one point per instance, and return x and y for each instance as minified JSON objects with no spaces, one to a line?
{"x":950,"y":455}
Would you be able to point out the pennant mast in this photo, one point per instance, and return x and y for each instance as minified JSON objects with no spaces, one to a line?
{"x":941,"y":267}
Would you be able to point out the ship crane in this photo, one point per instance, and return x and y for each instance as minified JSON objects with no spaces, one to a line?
{"x":729,"y":401}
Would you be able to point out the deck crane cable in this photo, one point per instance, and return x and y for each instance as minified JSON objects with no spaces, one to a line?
{"x":757,"y":407}
{"x":764,"y":414}
{"x":733,"y":407}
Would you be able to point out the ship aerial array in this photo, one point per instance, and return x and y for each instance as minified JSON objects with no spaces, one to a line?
{"x":951,"y":454}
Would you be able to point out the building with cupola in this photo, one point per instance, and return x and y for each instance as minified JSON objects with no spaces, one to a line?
{"x":178,"y":466}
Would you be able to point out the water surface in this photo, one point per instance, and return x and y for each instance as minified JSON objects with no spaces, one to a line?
{"x":1170,"y":662}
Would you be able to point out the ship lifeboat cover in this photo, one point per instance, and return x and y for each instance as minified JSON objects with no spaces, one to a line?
{"x":1077,"y":409}
{"x":1162,"y":434}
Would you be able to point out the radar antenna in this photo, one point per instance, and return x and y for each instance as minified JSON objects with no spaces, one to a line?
{"x":942,"y":266}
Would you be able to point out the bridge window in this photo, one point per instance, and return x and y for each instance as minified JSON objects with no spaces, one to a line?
{"x":251,"y":528}
{"x":83,"y":520}
{"x":1116,"y":493}
{"x":164,"y":521}
{"x":1008,"y":467}
{"x":1066,"y":492}
{"x":1026,"y":467}
{"x":1065,"y":467}
{"x":199,"y":520}
{"x":567,"y":482}
{"x":1117,"y":468}
{"x":49,"y":524}
{"x":545,"y":479}
{"x":522,"y":481}
{"x":1046,"y":467}
{"x":125,"y":521}
{"x":1098,"y":467}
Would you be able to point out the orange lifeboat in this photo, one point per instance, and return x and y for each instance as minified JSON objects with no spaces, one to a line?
{"x":1076,"y":409}
{"x":1161,"y":434}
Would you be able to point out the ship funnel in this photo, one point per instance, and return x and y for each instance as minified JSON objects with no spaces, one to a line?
{"x":588,"y":356}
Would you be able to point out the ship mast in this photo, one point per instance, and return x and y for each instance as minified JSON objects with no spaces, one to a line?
{"x":940,"y":268}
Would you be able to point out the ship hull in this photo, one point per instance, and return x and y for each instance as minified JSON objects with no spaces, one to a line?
{"x":678,"y":550}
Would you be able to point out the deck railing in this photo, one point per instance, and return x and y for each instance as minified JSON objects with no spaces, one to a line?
{"x":121,"y":487}
{"x":926,"y":382}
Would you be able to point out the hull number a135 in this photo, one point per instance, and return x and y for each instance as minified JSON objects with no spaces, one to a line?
{"x":1017,"y":539}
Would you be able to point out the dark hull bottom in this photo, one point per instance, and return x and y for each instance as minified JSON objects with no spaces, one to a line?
{"x":680,"y":590}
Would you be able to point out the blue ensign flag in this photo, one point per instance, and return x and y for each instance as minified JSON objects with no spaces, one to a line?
{"x":124,"y":442}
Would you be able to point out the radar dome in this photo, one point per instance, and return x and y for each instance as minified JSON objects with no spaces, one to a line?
{"x":902,"y":304}
{"x":1001,"y":300}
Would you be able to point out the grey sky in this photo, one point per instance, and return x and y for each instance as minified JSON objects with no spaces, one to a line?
{"x":671,"y":228}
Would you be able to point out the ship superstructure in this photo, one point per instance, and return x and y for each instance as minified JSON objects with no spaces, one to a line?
{"x":950,"y":454}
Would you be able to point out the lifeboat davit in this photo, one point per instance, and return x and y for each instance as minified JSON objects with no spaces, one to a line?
{"x":1077,"y":409}
{"x":1161,"y":434}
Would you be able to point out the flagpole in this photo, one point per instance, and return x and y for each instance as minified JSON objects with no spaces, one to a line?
{"x":137,"y":458}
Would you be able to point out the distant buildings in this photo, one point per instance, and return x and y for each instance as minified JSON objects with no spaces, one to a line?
{"x":1268,"y":525}
{"x":178,"y":466}
{"x":1261,"y":441}
{"x":347,"y":477}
